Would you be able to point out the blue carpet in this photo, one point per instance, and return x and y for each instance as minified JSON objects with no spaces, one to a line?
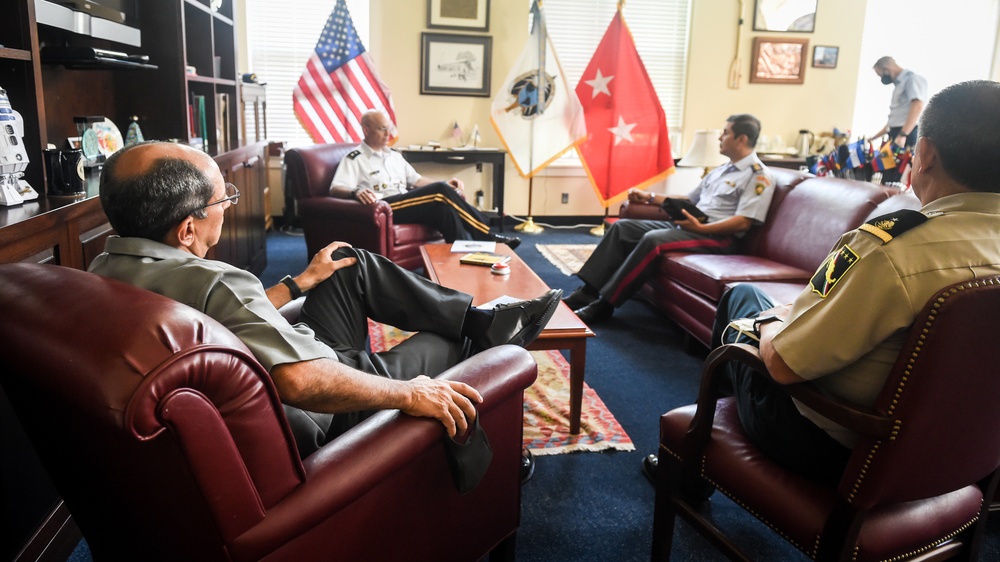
{"x":598,"y":506}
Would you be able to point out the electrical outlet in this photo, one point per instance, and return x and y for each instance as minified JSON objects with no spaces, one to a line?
{"x":565,"y":198}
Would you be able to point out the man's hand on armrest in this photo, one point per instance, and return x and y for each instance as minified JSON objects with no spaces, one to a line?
{"x":364,"y":196}
{"x":324,"y":385}
{"x":776,"y":366}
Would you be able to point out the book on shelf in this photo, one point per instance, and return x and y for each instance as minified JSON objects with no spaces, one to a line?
{"x":486,"y":259}
{"x":222,"y":121}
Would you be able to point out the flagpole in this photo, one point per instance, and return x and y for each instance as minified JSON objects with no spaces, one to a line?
{"x":599,"y":229}
{"x":529,"y":226}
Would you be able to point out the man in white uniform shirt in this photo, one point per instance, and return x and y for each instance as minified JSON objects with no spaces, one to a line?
{"x":734,"y":197}
{"x":375,"y":172}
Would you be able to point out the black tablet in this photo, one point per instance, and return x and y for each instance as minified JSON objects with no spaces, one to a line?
{"x":673,"y":208}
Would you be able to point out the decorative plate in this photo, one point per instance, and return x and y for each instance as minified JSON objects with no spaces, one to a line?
{"x":109,"y":138}
{"x":91,"y":148}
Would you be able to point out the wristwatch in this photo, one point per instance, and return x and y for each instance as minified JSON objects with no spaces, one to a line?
{"x":293,"y":287}
{"x":760,"y":320}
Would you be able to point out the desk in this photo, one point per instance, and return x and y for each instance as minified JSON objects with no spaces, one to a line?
{"x":782,"y":161}
{"x":494,"y":158}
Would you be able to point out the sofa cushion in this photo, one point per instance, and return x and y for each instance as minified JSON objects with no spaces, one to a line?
{"x":407,"y":234}
{"x":709,"y":274}
{"x":802,"y":228}
{"x":895,"y":202}
{"x":780,"y":292}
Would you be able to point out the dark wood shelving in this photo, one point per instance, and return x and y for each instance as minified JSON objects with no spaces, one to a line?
{"x":208,"y":80}
{"x":175,"y":33}
{"x":15,"y":54}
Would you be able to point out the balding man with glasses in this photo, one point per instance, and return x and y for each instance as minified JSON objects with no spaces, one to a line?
{"x":168,"y":201}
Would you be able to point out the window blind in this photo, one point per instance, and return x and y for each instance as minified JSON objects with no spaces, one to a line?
{"x":660,"y":29}
{"x":281,"y":37}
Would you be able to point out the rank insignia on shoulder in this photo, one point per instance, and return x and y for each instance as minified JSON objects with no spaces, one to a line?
{"x":353,"y":154}
{"x":889,"y":226}
{"x":832,"y":270}
{"x":756,"y":167}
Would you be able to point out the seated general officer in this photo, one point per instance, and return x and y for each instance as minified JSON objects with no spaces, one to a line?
{"x":167,"y":202}
{"x":845,"y":330}
{"x":375,"y":172}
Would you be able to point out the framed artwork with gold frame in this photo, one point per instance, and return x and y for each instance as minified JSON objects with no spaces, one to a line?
{"x":785,"y":15}
{"x":779,"y":60}
{"x":467,"y":15}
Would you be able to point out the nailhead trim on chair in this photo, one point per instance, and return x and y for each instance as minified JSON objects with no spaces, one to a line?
{"x":871,"y":454}
{"x":940,"y":541}
{"x":811,"y":554}
{"x":928,"y":326}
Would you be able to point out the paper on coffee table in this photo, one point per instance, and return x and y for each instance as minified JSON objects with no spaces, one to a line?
{"x":473,"y":246}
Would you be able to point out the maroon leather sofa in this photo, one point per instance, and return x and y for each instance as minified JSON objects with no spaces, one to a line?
{"x":166,"y":439}
{"x":807,"y":216}
{"x":326,"y":219}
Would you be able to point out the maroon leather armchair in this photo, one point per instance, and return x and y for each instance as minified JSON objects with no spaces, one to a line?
{"x":167,"y":441}
{"x":915,"y":483}
{"x":326,"y":219}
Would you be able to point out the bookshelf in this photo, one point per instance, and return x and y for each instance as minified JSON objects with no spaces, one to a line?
{"x":48,"y":93}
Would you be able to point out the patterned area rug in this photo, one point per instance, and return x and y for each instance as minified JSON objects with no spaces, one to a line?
{"x":546,"y":405}
{"x":568,"y":258}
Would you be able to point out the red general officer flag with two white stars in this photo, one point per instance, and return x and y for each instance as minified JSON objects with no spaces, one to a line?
{"x":628,"y":144}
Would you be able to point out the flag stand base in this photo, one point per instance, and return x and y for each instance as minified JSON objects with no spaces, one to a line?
{"x":529,"y":227}
{"x":598,"y":230}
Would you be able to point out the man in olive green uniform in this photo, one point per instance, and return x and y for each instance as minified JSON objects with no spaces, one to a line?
{"x":845,"y":330}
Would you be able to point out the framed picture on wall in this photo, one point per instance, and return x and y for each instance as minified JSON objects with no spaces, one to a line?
{"x":470,"y":15}
{"x":785,"y":15}
{"x":825,"y":57}
{"x":779,"y":60}
{"x":455,"y":65}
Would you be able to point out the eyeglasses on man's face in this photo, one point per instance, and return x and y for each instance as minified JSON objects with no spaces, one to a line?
{"x":232,"y":195}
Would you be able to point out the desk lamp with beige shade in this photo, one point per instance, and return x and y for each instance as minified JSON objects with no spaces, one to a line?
{"x":704,"y":151}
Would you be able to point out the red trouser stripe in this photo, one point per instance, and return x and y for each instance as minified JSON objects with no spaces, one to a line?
{"x":660,"y":250}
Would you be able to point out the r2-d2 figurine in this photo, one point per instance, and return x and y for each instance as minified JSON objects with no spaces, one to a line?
{"x":13,"y":158}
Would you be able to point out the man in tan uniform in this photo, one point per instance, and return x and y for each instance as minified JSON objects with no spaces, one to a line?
{"x":845,"y":330}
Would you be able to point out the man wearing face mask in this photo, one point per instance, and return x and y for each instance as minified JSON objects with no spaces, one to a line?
{"x":909,"y":95}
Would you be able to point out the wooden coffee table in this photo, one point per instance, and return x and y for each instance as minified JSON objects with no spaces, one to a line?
{"x":564,"y":330}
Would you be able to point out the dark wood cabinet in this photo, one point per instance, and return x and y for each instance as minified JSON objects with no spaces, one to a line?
{"x":175,"y":34}
{"x":243,"y":232}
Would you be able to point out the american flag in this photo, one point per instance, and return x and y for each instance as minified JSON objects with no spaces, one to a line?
{"x":339,"y":84}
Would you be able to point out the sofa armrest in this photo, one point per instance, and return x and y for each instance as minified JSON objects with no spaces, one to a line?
{"x":329,"y":219}
{"x":333,"y":208}
{"x":391,"y":445}
{"x":642,"y":211}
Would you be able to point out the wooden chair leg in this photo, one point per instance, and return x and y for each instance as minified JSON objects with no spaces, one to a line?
{"x":664,"y":512}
